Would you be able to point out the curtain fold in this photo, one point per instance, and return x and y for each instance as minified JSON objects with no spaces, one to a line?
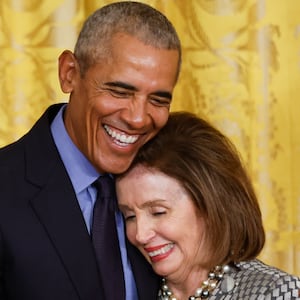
{"x":241,"y":71}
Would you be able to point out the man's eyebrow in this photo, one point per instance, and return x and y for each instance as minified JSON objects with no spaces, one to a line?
{"x":120,"y":84}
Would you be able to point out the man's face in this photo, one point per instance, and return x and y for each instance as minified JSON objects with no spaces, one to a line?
{"x":120,"y":103}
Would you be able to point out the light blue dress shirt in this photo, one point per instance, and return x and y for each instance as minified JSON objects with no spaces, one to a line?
{"x":82,"y":175}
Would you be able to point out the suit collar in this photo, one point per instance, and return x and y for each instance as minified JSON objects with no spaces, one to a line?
{"x":57,"y":208}
{"x":81,"y":172}
{"x":40,"y":151}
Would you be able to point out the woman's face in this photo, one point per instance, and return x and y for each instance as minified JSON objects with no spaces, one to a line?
{"x":162,"y":222}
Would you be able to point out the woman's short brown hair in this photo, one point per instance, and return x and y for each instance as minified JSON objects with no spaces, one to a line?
{"x":208,"y":166}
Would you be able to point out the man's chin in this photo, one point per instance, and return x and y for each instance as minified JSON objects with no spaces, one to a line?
{"x":119,"y":167}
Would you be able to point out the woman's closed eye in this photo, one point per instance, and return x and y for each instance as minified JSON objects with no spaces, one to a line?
{"x":129,"y":218}
{"x":158,"y":211}
{"x":128,"y":215}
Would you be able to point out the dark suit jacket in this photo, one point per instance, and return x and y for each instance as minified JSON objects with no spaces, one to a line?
{"x":45,"y":249}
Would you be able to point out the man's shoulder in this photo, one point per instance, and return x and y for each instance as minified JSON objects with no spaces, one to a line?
{"x":34,"y":146}
{"x":43,"y":123}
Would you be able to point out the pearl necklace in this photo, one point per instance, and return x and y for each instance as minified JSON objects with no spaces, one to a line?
{"x":203,"y":292}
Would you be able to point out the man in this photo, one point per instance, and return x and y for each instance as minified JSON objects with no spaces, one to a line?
{"x":120,"y":79}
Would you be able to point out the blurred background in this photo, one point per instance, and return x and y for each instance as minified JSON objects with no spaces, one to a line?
{"x":241,"y":71}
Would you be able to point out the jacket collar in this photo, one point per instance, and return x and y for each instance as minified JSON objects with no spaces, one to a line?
{"x":57,"y":208}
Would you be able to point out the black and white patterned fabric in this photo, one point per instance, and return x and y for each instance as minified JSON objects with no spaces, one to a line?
{"x":254,"y":280}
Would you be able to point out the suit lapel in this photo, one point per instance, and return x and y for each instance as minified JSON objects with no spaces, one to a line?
{"x":61,"y":217}
{"x":58,"y":210}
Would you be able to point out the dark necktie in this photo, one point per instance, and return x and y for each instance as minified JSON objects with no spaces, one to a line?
{"x":105,"y":240}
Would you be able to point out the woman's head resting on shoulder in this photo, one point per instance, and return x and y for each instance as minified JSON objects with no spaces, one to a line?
{"x":187,"y":199}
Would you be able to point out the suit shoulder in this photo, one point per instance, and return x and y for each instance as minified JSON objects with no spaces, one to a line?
{"x":35,"y":136}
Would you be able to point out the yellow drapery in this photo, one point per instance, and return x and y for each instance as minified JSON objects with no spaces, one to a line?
{"x":241,"y":70}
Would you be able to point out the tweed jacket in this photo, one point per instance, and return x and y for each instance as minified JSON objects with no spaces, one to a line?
{"x":253,"y":279}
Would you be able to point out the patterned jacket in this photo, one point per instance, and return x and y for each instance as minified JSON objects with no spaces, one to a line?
{"x":254,"y":280}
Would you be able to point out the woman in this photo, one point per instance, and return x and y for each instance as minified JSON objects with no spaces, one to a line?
{"x":191,"y":210}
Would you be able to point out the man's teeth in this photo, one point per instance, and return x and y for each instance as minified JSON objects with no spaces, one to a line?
{"x":162,"y":250}
{"x":121,"y":137}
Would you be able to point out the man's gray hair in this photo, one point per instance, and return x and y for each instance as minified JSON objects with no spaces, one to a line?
{"x":133,"y":18}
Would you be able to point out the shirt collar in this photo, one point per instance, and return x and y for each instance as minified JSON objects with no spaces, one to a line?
{"x":80,"y":170}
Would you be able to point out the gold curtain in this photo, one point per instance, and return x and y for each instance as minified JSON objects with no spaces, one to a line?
{"x":241,"y":70}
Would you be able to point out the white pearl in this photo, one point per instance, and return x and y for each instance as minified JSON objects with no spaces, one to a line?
{"x":226,"y":269}
{"x":198,"y":292}
{"x":208,"y":285}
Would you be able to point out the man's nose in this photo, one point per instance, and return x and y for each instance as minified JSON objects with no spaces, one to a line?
{"x":136,"y":114}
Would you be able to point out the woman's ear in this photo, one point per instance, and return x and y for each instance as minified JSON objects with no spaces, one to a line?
{"x":68,"y":70}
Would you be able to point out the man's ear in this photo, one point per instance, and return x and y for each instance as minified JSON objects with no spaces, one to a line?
{"x":68,"y":71}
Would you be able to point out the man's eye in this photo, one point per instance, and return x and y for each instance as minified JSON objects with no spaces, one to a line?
{"x":160,"y":101}
{"x":119,"y":93}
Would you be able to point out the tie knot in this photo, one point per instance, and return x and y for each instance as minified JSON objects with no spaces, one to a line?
{"x":105,"y":187}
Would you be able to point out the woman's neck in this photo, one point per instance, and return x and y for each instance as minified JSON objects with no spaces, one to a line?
{"x":198,"y":284}
{"x":185,"y":286}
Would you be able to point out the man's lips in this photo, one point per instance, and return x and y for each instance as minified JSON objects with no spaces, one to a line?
{"x":121,"y":137}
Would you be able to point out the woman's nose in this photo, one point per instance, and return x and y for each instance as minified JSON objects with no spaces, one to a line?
{"x":144,"y":231}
